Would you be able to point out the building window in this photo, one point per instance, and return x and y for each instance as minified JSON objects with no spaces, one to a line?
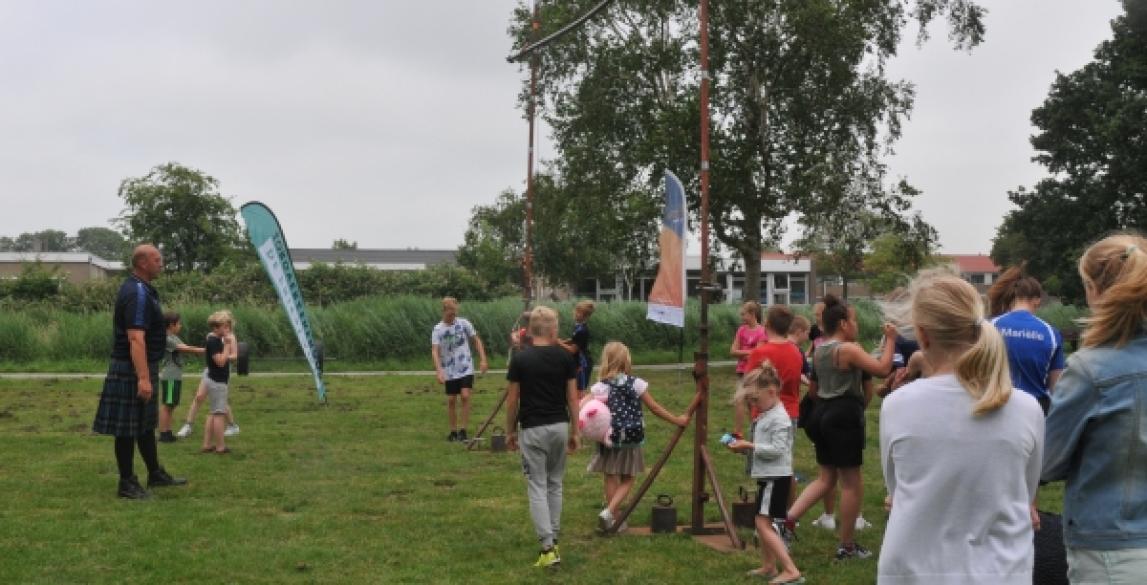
{"x":978,"y":278}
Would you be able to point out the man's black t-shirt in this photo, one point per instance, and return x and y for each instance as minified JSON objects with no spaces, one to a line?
{"x":543,"y":373}
{"x":213,"y":347}
{"x":137,"y":307}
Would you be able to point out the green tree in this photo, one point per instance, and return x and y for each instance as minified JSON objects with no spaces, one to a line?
{"x":1091,"y":132}
{"x":844,"y":241}
{"x":493,"y":245}
{"x":801,"y":106}
{"x":42,"y":241}
{"x":341,"y":244}
{"x":103,"y":242}
{"x":181,"y":210}
{"x":895,"y":256}
{"x":587,"y":226}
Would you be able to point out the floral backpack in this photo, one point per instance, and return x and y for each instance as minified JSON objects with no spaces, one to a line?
{"x":628,"y":424}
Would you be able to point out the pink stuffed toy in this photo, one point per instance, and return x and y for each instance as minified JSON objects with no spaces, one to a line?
{"x":594,"y":421}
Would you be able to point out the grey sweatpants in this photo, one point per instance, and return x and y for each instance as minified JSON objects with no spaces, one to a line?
{"x":544,"y":463}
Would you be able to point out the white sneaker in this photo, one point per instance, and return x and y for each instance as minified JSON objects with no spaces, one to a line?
{"x":826,"y":521}
{"x":231,"y":431}
{"x":861,"y":523}
{"x":605,"y":519}
{"x":184,"y":431}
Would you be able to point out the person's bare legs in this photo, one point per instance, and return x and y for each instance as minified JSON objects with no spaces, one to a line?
{"x":624,"y":483}
{"x":851,"y":492}
{"x":465,"y":408}
{"x":773,"y":550}
{"x":165,"y":412}
{"x":451,"y":402}
{"x":815,"y":491}
{"x":200,"y":396}
{"x":208,"y":433}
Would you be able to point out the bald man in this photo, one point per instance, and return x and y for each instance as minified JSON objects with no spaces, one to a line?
{"x":128,"y":408}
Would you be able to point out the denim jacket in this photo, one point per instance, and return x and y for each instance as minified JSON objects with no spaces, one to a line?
{"x":1097,"y":441}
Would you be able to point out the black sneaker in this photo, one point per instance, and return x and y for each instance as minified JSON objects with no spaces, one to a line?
{"x":129,"y":489}
{"x":844,"y":553}
{"x":167,"y":437}
{"x":163,"y":479}
{"x":453,"y":436}
{"x":462,"y":436}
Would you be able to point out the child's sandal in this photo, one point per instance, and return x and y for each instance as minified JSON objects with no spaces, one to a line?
{"x":207,"y":450}
{"x":762,"y":573}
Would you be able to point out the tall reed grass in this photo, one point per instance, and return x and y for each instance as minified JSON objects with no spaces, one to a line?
{"x":394,"y":330}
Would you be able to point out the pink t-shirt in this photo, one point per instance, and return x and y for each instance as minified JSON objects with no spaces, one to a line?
{"x":747,"y":339}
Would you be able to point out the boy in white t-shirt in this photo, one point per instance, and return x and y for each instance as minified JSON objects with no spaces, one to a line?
{"x":450,"y":349}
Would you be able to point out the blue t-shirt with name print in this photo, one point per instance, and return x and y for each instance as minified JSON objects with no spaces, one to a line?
{"x":1035,"y":349}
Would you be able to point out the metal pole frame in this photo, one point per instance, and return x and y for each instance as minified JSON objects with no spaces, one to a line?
{"x":699,"y":408}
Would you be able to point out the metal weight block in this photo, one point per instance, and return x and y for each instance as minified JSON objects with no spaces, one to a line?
{"x":243,"y":361}
{"x":744,"y":511}
{"x":664,"y":518}
{"x":498,"y":440}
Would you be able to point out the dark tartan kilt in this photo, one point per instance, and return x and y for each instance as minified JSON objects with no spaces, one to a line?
{"x":121,"y":412}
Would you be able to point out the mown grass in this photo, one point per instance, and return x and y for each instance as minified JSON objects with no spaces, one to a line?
{"x":362,"y":490}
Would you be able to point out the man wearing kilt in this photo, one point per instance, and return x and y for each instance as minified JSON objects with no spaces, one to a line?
{"x":127,"y":409}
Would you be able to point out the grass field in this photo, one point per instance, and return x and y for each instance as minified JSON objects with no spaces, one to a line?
{"x":362,"y":490}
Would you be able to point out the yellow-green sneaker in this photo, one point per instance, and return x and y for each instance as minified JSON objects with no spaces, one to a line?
{"x":557,"y":552}
{"x":548,"y":559}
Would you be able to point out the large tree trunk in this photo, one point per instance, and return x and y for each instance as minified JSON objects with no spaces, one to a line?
{"x":752,"y":287}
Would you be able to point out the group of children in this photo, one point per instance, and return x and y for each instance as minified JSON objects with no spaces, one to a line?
{"x":220,"y":350}
{"x":962,"y":435}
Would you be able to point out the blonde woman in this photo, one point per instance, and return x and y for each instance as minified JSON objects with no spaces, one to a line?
{"x":1095,"y":430}
{"x":961,"y":451}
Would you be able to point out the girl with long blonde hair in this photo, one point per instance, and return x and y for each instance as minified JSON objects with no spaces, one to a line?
{"x":624,"y":395}
{"x":1095,"y":430}
{"x":961,"y":451}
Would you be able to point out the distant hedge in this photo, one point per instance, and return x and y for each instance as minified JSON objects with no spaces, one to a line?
{"x":322,"y":285}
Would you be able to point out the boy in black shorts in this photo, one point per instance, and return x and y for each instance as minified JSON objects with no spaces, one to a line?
{"x":450,"y":348}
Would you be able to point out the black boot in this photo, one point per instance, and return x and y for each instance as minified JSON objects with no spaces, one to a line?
{"x":166,"y":437}
{"x":163,"y":479}
{"x":131,"y":490}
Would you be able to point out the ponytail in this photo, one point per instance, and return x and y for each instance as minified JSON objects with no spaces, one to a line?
{"x":983,"y":370}
{"x":758,"y":380}
{"x":1115,"y":272}
{"x":835,"y":313}
{"x":1012,"y":285}
{"x":949,"y":310}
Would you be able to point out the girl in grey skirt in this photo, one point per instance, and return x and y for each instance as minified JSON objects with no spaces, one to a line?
{"x":623,"y":394}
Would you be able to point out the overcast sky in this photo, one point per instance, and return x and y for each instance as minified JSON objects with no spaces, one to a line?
{"x":385,"y":122}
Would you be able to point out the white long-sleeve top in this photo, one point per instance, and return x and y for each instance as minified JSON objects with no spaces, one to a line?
{"x":961,"y":486}
{"x":772,"y":454}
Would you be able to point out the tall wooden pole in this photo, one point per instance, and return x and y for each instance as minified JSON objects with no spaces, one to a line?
{"x":528,"y":258}
{"x":701,"y":357}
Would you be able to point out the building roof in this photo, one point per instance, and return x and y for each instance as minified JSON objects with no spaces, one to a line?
{"x":59,"y":258}
{"x":410,"y":258}
{"x":973,"y":263}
